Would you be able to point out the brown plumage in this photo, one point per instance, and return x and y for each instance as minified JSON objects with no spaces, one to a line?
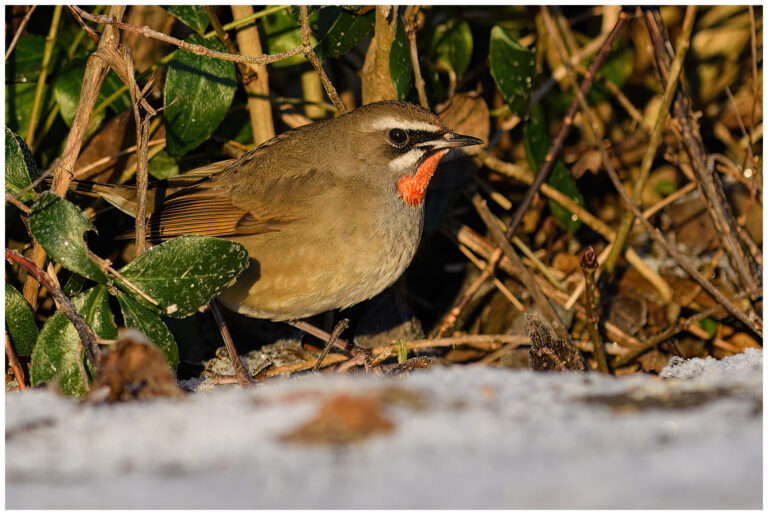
{"x":331,"y":213}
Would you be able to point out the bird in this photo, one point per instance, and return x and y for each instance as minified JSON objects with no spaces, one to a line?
{"x":331,"y":213}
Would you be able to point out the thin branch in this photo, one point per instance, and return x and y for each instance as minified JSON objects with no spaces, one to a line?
{"x":683,"y":43}
{"x":589,"y":267}
{"x":87,"y":30}
{"x":653,"y":231}
{"x":709,"y":183}
{"x":519,"y":269}
{"x":682,"y":325}
{"x":557,"y":145}
{"x":95,"y":71}
{"x":21,"y":28}
{"x":360,"y":355}
{"x":16,"y":202}
{"x":241,"y":372}
{"x":195,"y":49}
{"x":343,"y":324}
{"x":412,"y":24}
{"x":64,"y":305}
{"x":310,"y":53}
{"x":13,"y":360}
{"x":82,"y":173}
{"x":50,"y":43}
{"x":410,"y":364}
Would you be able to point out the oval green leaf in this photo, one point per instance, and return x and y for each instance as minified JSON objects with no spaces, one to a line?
{"x":59,"y":226}
{"x":57,"y":351}
{"x":193,"y":16}
{"x":512,"y":68}
{"x":198,"y":93}
{"x":345,"y":33}
{"x":451,"y":46}
{"x":185,"y":273}
{"x":537,"y":142}
{"x":19,"y":321}
{"x":150,"y":325}
{"x":281,"y":32}
{"x":19,"y":166}
{"x":26,"y":61}
{"x":400,"y":67}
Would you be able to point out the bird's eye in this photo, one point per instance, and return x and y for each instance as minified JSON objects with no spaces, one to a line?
{"x":398,"y":137}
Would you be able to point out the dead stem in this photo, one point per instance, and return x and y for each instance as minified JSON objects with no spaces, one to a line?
{"x":340,"y":327}
{"x":64,"y":305}
{"x":95,"y":71}
{"x":21,"y":28}
{"x":310,"y":53}
{"x":13,"y":360}
{"x":241,"y":372}
{"x":589,"y":267}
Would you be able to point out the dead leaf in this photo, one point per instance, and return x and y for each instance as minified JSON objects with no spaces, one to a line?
{"x":343,"y":418}
{"x":133,"y":369}
{"x":467,"y":115}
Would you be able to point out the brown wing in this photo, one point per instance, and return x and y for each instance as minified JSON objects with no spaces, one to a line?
{"x":206,"y":213}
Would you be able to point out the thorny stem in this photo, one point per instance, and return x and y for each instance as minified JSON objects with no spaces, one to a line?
{"x":589,"y":266}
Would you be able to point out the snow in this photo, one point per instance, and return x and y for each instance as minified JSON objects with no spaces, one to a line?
{"x":464,"y":437}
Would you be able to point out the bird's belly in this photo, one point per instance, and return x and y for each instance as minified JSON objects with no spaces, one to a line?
{"x":294,"y":276}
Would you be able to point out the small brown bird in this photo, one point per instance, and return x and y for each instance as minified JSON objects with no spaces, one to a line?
{"x":331,"y":213}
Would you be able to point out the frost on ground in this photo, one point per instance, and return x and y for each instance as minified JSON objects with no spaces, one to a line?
{"x":458,"y":437}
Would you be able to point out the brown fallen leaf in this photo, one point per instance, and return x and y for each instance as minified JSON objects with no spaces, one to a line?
{"x":343,"y":418}
{"x":133,"y":369}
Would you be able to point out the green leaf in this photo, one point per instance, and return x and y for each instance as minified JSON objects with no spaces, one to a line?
{"x":198,"y":93}
{"x":512,"y":68}
{"x":163,"y":166}
{"x":74,"y":285}
{"x":57,"y":351}
{"x":536,"y":141}
{"x":26,"y":61}
{"x":451,"y":46}
{"x":193,"y":16}
{"x":18,"y":104}
{"x":184,"y":273}
{"x":345,"y":33}
{"x":66,"y":91}
{"x":710,"y":325}
{"x":281,"y":32}
{"x":617,"y":68}
{"x":151,"y":326}
{"x":400,"y":67}
{"x":58,"y":225}
{"x":20,"y":322}
{"x":19,"y":166}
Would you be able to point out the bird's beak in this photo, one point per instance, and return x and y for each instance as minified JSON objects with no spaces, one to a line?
{"x":453,"y":140}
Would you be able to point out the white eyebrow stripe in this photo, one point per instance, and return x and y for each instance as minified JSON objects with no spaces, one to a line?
{"x":407,"y":160}
{"x":396,"y":123}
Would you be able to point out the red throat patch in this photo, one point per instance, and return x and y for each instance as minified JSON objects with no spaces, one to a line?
{"x":412,"y":189}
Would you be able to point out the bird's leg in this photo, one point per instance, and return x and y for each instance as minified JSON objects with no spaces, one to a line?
{"x":359,"y":353}
{"x":241,"y":373}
